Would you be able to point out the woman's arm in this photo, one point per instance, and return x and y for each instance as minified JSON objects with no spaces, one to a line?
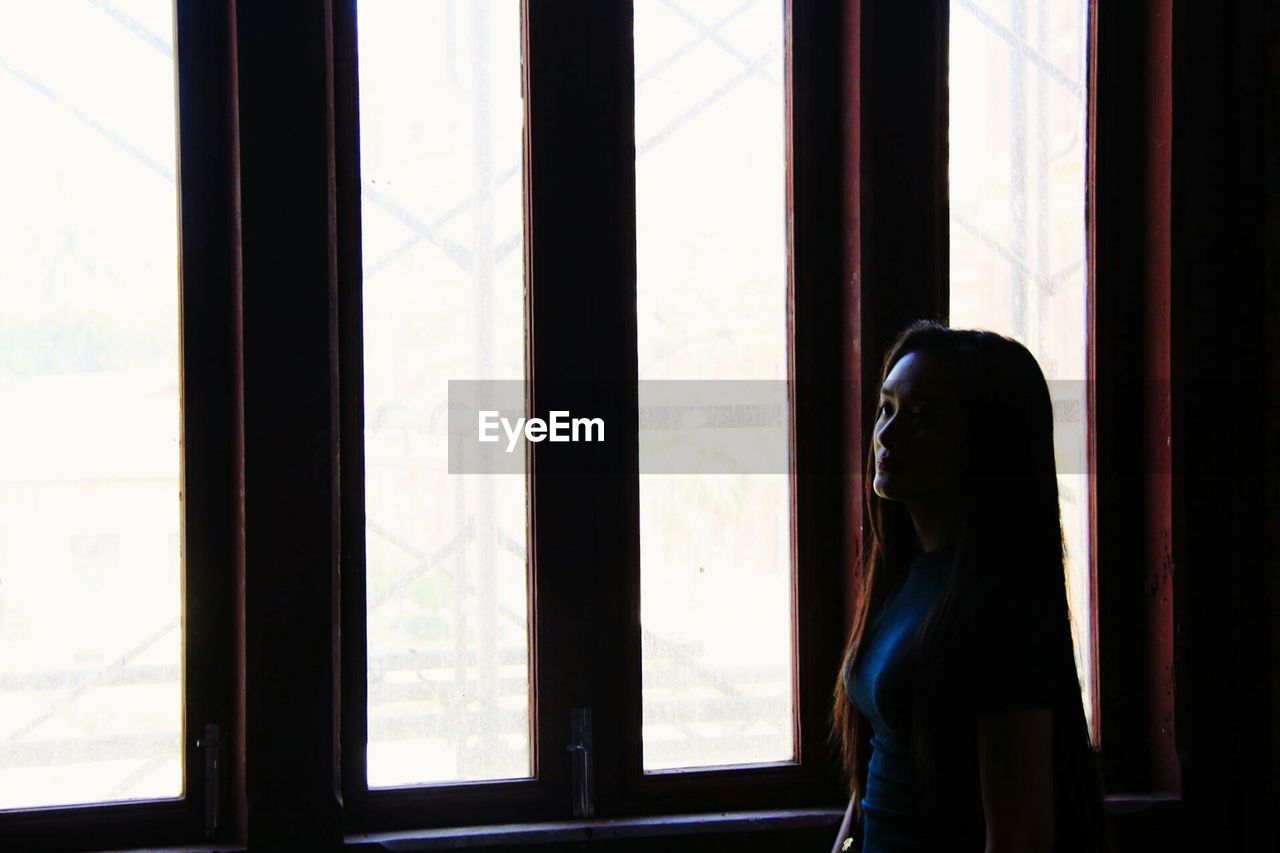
{"x":1015,"y":763}
{"x":845,"y":828}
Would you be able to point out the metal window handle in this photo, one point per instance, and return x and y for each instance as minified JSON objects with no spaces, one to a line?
{"x":211,"y":745}
{"x":584,"y":804}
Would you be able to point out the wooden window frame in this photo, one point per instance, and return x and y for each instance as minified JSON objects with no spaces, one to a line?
{"x":579,"y":232}
{"x":204,"y":207}
{"x":1133,"y":462}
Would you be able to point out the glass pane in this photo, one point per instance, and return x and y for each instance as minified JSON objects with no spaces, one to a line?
{"x":712,"y":306}
{"x":1017,"y":83}
{"x":441,"y":123}
{"x":90,"y":505}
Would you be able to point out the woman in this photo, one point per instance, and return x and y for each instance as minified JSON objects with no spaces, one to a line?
{"x":958,"y":709}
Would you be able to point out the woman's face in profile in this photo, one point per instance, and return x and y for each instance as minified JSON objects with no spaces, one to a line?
{"x":919,"y":433}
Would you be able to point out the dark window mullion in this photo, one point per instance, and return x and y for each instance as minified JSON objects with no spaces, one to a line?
{"x":287,"y":786}
{"x":207,"y":195}
{"x":822,"y":174}
{"x":1139,"y":513}
{"x":581,"y":335}
{"x":354,"y":656}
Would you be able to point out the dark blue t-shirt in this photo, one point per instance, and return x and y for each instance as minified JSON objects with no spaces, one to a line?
{"x":1004,"y":668}
{"x":881,"y":689}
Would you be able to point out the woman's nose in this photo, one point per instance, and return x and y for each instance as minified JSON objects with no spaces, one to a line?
{"x":887,"y":434}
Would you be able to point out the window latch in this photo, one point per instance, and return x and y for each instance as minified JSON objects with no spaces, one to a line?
{"x":584,"y":798}
{"x":211,"y":745}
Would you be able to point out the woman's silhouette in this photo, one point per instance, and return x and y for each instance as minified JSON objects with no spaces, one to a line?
{"x":958,"y":709}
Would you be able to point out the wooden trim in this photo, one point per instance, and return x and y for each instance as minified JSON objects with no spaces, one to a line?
{"x":1132,"y":397}
{"x":125,"y":824}
{"x":666,"y":827}
{"x":1118,"y":442}
{"x":207,"y":197}
{"x":903,"y":208}
{"x":238,"y":801}
{"x":287,"y":287}
{"x":598,"y":244}
{"x":855,"y":371}
{"x":354,"y":677}
{"x":1158,"y":390}
{"x":819,"y":98}
{"x":1091,"y":378}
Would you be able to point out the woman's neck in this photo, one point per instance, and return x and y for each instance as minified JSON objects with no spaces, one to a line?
{"x":935,"y":525}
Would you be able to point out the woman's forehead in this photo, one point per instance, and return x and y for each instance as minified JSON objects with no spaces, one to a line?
{"x":919,"y":377}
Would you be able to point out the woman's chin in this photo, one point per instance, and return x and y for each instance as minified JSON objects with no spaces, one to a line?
{"x":885,"y":486}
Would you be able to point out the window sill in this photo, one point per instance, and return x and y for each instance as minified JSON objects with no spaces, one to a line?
{"x":1129,"y":803}
{"x":457,"y":838}
{"x":589,"y":830}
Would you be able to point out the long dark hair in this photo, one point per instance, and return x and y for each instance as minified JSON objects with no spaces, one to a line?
{"x":1009,"y":531}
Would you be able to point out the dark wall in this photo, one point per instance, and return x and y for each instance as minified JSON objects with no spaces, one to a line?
{"x":1271,"y":286}
{"x":1223,"y":103}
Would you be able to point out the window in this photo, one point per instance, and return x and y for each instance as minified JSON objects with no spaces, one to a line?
{"x":544,"y":215}
{"x":443,"y":299}
{"x":108,"y":672}
{"x":92,"y":635}
{"x":711,"y":304}
{"x":1018,"y":102}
